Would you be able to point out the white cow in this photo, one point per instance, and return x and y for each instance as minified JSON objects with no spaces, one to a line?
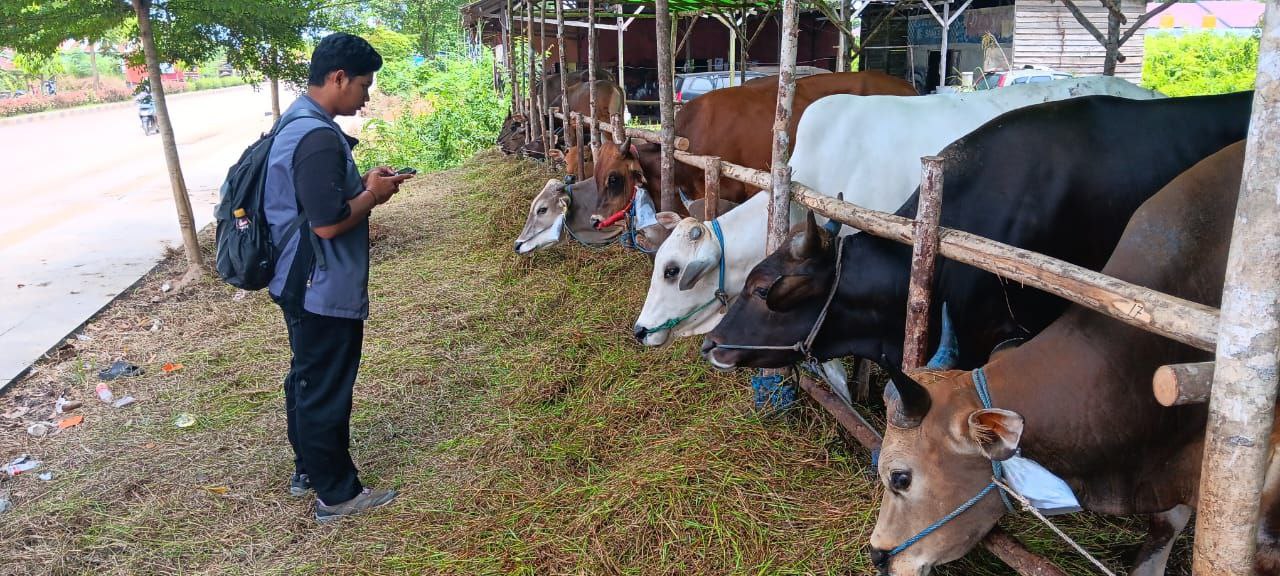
{"x":866,"y":147}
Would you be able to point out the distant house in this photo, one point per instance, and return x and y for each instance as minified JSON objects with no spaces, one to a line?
{"x":6,"y":59}
{"x":1226,"y":16}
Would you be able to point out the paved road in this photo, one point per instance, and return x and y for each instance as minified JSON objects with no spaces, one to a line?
{"x":88,"y":207}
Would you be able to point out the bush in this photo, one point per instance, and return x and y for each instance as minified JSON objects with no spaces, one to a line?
{"x":1199,"y":63}
{"x":458,"y":115}
{"x":215,"y":82}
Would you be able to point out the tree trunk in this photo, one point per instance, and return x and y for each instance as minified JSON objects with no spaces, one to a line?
{"x":186,"y":222}
{"x":93,"y":62}
{"x":275,"y":99}
{"x":1112,"y":45}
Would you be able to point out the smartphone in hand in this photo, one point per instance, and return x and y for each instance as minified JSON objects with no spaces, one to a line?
{"x":407,"y":170}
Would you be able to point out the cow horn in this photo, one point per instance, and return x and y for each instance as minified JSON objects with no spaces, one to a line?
{"x":812,"y":242}
{"x":688,"y":203}
{"x":907,"y":401}
{"x":626,"y":147}
{"x":948,"y":349}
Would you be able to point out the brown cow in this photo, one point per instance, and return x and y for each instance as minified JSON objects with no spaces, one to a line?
{"x":609,"y":100}
{"x":1076,"y":399}
{"x":732,"y":123}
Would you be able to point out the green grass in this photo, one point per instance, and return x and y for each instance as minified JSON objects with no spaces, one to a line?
{"x":502,"y":395}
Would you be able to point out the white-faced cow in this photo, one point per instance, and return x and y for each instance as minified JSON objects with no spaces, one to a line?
{"x":1060,"y":178}
{"x":1075,"y":399}
{"x":855,"y":145}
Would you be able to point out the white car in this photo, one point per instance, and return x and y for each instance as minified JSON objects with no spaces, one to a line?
{"x":1027,"y":75}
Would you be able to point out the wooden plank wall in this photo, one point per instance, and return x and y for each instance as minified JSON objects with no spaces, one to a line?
{"x":1047,"y":34}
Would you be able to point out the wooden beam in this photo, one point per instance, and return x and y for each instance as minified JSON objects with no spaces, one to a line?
{"x":1178,"y":384}
{"x":924,"y":255}
{"x":780,"y":200}
{"x":1242,"y":402}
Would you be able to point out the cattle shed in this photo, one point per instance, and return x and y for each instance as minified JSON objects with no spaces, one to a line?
{"x":1240,"y":385}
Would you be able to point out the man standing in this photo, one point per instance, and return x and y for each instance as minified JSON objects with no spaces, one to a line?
{"x":322,"y":274}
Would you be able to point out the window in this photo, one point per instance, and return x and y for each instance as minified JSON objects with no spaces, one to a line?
{"x":1039,"y":79}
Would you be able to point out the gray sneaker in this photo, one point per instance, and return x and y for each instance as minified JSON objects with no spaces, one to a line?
{"x":299,"y":484}
{"x":367,"y":499}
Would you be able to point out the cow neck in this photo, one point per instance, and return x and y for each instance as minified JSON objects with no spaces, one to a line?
{"x":867,"y":317}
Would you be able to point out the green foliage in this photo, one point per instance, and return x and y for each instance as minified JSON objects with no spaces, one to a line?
{"x":215,"y":82}
{"x":79,"y":64}
{"x":462,"y":116}
{"x":1199,"y":63}
{"x":390,"y":44}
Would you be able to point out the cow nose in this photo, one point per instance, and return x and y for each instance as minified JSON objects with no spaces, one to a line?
{"x":596,"y":220}
{"x":517,"y":248}
{"x":880,"y":559}
{"x":708,"y":345}
{"x":641,"y":332}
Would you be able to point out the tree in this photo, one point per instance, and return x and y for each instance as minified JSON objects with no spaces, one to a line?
{"x":263,"y":36}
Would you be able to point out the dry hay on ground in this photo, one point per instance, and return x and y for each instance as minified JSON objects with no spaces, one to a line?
{"x":502,"y":395}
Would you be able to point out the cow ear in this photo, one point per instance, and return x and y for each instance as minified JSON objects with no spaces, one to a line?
{"x":809,"y":243}
{"x":996,"y":432}
{"x":693,"y":271}
{"x":668,"y":220}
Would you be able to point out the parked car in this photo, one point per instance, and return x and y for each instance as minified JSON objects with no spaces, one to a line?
{"x":695,"y":84}
{"x":1027,"y":75}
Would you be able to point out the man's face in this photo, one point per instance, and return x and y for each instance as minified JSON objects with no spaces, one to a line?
{"x":353,"y":91}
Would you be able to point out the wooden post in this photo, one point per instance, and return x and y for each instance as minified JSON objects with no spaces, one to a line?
{"x":924,"y":255}
{"x":780,"y":203}
{"x":666,"y":107}
{"x":842,"y":49}
{"x":733,"y":54}
{"x":1178,"y":384}
{"x":622,"y":73}
{"x":508,"y":48}
{"x":564,"y":87}
{"x":544,"y":119}
{"x":711,"y":182}
{"x":619,"y":129}
{"x":581,"y":169}
{"x":591,"y":76}
{"x":535,"y":123}
{"x":1242,"y":402}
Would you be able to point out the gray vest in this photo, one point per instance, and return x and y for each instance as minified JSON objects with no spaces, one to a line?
{"x":339,"y":283}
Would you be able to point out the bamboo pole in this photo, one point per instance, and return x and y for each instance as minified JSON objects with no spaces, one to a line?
{"x":564,"y":87}
{"x":508,"y":47}
{"x":780,"y":202}
{"x":622,"y":73}
{"x":924,"y":255}
{"x":531,"y":112}
{"x":1242,"y":402}
{"x":548,"y":138}
{"x":1179,"y":384}
{"x":591,"y":76}
{"x":581,"y":169}
{"x":711,"y":195}
{"x":666,"y":106}
{"x":842,"y":50}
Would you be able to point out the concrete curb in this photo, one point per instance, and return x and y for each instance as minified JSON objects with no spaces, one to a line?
{"x":51,"y":114}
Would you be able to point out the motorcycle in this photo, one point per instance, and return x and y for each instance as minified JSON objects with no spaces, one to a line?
{"x":147,"y":114}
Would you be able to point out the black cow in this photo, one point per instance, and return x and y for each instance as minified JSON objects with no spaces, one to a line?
{"x":1060,"y":178}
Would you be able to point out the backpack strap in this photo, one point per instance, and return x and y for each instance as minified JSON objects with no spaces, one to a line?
{"x":297,"y":222}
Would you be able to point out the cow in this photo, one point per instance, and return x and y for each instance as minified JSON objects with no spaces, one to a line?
{"x":609,"y":100}
{"x":515,"y":122}
{"x":1075,"y":399}
{"x":732,"y":123}
{"x":855,"y":145}
{"x":559,"y":207}
{"x":1060,"y":178}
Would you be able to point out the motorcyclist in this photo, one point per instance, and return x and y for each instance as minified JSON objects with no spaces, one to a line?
{"x":146,"y":109}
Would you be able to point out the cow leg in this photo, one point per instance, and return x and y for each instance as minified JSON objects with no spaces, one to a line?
{"x":1162,"y":530}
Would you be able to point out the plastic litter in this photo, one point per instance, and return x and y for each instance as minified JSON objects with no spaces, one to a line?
{"x":122,"y":402}
{"x":172,"y":367}
{"x":104,"y":392}
{"x":184,"y":420}
{"x":46,"y":476}
{"x":5,"y":504}
{"x":155,"y":325}
{"x":84,"y":337}
{"x":70,"y":421}
{"x":166,"y":287}
{"x":40,"y":429}
{"x":23,"y":463}
{"x":63,"y":405}
{"x":239,"y":295}
{"x":119,"y":369}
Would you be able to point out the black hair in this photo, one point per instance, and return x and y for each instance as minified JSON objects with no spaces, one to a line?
{"x":340,"y":51}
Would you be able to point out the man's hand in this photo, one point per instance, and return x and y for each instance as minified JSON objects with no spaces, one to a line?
{"x":383,"y":182}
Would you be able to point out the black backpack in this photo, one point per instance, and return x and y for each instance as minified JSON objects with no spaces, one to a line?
{"x":246,"y":257}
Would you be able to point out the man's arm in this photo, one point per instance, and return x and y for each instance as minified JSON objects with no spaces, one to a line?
{"x":319,"y":167}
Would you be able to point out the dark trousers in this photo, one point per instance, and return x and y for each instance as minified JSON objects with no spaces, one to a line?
{"x":317,"y":392}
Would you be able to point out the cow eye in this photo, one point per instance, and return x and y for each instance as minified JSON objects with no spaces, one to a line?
{"x":542,"y":210}
{"x":899,"y":480}
{"x":670,"y":272}
{"x":762,"y":292}
{"x":613,"y":180}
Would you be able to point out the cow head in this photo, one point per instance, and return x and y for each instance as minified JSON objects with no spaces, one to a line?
{"x":511,"y":136}
{"x":685,"y":277}
{"x":546,"y":218}
{"x":779,"y":303}
{"x":618,"y":171}
{"x":937,"y":452}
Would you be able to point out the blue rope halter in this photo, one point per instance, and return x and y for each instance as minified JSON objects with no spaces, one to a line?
{"x":997,"y":470}
{"x":721,"y":296}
